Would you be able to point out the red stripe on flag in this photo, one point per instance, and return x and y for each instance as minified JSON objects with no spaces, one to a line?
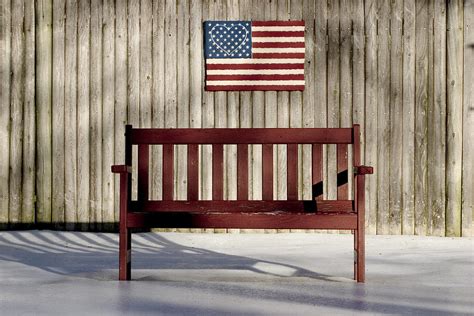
{"x":255,"y":77}
{"x":278,"y":55}
{"x":278,"y":34}
{"x":277,"y":23}
{"x":277,"y":45}
{"x":253,"y":66}
{"x":256,"y":88}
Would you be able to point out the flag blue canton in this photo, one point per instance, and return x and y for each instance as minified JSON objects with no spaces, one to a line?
{"x":224,"y":39}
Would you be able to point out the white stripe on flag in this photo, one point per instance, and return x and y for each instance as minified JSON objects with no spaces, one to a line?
{"x":254,"y":61}
{"x":277,"y":28}
{"x":298,"y":39}
{"x":256,"y":72}
{"x":255,"y":83}
{"x":278,"y":50}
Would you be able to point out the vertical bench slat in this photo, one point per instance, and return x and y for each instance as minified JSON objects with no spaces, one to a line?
{"x":342,"y":172}
{"x":317,"y":169}
{"x":168,"y":173}
{"x":267,"y":172}
{"x":292,"y":170}
{"x":143,"y":159}
{"x":242,"y":172}
{"x":217,"y":172}
{"x":193,"y":172}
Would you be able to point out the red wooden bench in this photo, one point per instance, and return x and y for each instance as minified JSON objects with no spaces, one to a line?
{"x":343,"y":213}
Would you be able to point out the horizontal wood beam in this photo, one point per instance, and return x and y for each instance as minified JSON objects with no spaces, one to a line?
{"x":245,"y":206}
{"x":243,"y":220}
{"x":241,"y":136}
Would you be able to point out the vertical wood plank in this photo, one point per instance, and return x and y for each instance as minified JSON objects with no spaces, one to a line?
{"x":95,"y":190}
{"x":342,"y":172}
{"x":242,"y":172}
{"x":83,"y":94}
{"x":217,"y":172}
{"x":454,"y":118}
{"x":267,"y":172}
{"x":146,"y":72}
{"x":182,"y":93}
{"x":5,"y":69}
{"x":168,"y":172}
{"x":383,"y":116}
{"x":317,"y":172}
{"x":232,"y":120}
{"x":437,"y":124}
{"x":158,"y":104}
{"x":108,"y":102}
{"x":308,"y":94}
{"x":271,"y":103}
{"x":29,"y":115}
{"x":207,"y":121}
{"x":193,"y":173}
{"x":120,"y":110}
{"x":371,"y":91}
{"x":44,"y":21}
{"x":258,"y":120}
{"x":320,"y":78}
{"x":292,"y":178}
{"x":171,"y":67}
{"x":396,"y":119}
{"x":346,"y":97}
{"x":283,"y":108}
{"x":468,"y":122}
{"x":333,"y":90}
{"x":16,"y":110}
{"x":133,"y":78}
{"x":196,"y":72}
{"x":296,"y":101}
{"x":421,"y":104}
{"x":143,"y":172}
{"x":70,"y":118}
{"x":358,"y":69}
{"x":408,"y":117}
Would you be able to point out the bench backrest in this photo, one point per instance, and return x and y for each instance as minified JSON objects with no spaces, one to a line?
{"x":242,"y":137}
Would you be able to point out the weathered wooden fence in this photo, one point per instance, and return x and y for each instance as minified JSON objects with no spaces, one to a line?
{"x":72,"y":73}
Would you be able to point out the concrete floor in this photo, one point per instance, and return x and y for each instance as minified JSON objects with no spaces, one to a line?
{"x":71,"y":273}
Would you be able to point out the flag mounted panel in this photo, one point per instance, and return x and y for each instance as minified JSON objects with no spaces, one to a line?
{"x":254,"y":55}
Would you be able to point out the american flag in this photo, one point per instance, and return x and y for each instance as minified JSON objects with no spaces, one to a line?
{"x":254,"y":55}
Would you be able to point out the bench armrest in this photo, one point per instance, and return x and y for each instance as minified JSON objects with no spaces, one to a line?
{"x":121,"y":169}
{"x":360,"y":170}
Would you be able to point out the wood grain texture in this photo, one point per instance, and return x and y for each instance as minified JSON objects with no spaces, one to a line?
{"x":408,"y":137}
{"x":437,"y":125}
{"x":83,"y":93}
{"x":421,"y":107}
{"x":108,"y":103}
{"x":95,"y":189}
{"x":16,"y":110}
{"x":333,"y":101}
{"x":468,"y":122}
{"x":5,"y":69}
{"x":454,"y":118}
{"x":383,"y":116}
{"x":29,"y":120}
{"x":371,"y":90}
{"x":396,"y":119}
{"x":120,"y":109}
{"x":70,"y":115}
{"x":158,"y":87}
{"x":43,"y":104}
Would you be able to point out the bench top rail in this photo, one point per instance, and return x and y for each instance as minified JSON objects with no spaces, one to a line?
{"x":157,"y":136}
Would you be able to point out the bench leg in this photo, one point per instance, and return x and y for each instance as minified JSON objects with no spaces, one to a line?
{"x":359,"y":256}
{"x":125,"y":252}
